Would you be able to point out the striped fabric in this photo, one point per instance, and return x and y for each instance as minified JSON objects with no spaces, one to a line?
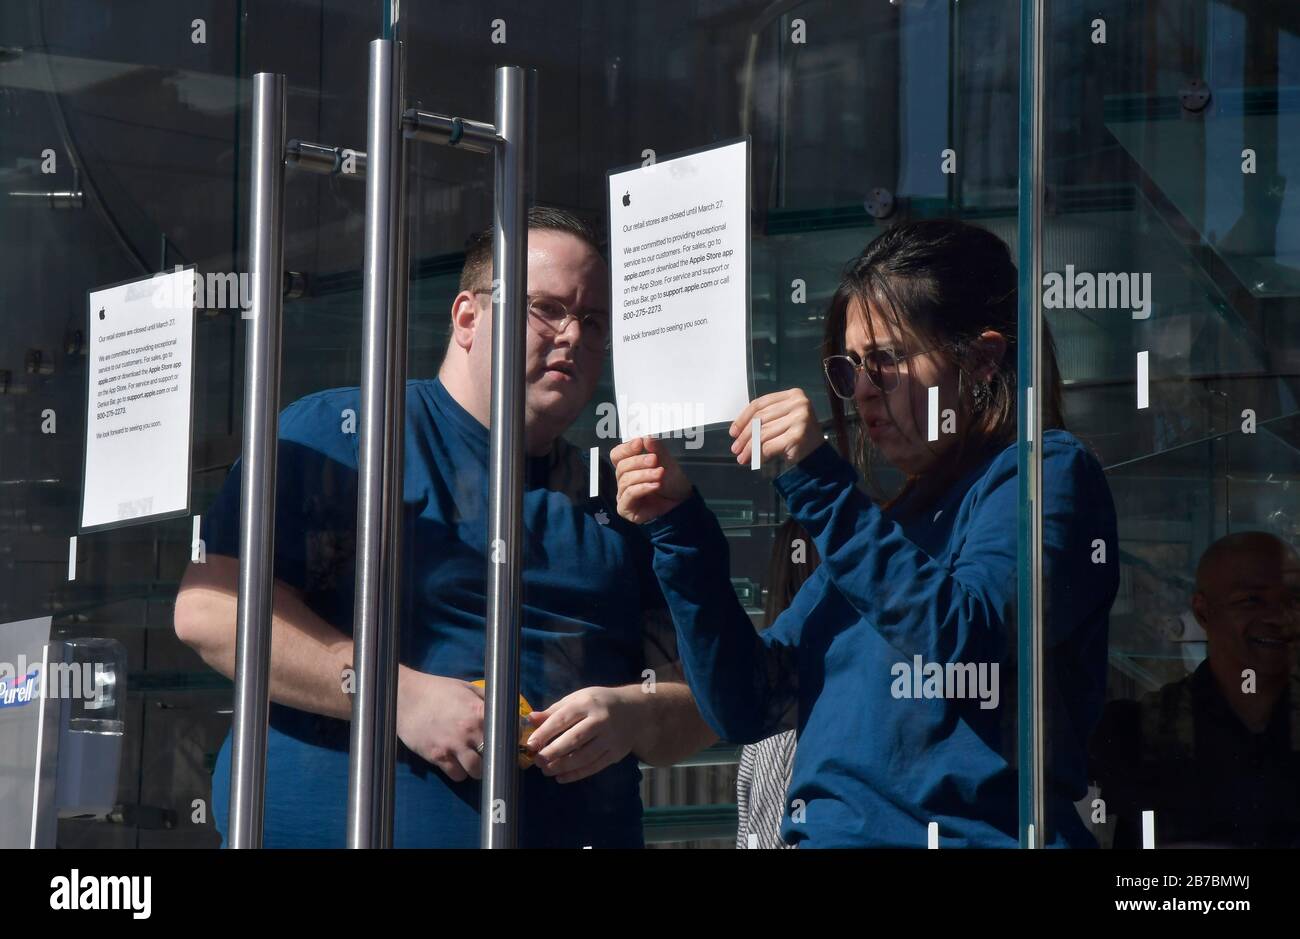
{"x":761,"y":783}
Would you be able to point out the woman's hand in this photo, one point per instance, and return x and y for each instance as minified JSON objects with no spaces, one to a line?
{"x":789,"y":428}
{"x":584,"y":732}
{"x":650,"y":481}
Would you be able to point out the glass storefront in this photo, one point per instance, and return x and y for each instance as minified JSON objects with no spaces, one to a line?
{"x":1169,"y":137}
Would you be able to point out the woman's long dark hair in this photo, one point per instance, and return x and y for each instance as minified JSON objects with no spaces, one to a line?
{"x":941,"y":283}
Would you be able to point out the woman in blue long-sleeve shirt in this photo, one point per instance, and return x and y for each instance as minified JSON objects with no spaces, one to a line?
{"x":900,"y":649}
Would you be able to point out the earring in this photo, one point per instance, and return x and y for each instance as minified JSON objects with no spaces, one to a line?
{"x":982,"y":395}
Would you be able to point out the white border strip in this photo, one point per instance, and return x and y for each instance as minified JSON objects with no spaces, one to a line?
{"x":40,"y":738}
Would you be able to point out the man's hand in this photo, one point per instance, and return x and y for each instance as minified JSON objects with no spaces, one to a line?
{"x":788,"y":426}
{"x":441,"y":720}
{"x":586,"y":731}
{"x":650,"y":481}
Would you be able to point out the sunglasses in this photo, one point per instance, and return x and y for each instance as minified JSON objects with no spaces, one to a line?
{"x":881,"y":366}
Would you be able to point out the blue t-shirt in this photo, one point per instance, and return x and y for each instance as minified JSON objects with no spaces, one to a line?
{"x":592,"y":615}
{"x":880,"y":753}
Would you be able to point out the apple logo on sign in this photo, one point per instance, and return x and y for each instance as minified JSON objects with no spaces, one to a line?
{"x":603,"y":517}
{"x":627,"y":198}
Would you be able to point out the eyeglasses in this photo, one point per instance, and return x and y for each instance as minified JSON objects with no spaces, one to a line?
{"x":881,"y":366}
{"x":553,"y":317}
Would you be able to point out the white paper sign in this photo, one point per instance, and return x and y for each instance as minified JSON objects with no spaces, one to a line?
{"x":679,"y":268}
{"x":138,"y":400}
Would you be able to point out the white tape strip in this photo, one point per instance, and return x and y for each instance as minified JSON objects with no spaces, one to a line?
{"x":1144,"y":380}
{"x":1029,"y":411}
{"x":40,"y":737}
{"x":756,"y":443}
{"x":72,"y":558}
{"x":932,"y":830}
{"x":194,"y":540}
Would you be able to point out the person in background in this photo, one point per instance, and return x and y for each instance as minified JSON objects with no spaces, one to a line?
{"x":763,"y":775}
{"x":899,"y":649}
{"x":593,"y":618}
{"x":1216,"y":755}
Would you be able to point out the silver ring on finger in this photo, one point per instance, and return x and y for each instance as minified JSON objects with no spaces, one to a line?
{"x":479,"y":749}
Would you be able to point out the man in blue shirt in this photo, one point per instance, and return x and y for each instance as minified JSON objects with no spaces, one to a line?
{"x":596,"y":651}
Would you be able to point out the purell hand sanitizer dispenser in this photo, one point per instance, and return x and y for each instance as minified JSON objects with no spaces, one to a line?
{"x":61,"y":723}
{"x":90,"y":740}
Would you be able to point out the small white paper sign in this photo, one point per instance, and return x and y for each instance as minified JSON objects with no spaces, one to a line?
{"x":679,"y":269}
{"x":138,"y":400}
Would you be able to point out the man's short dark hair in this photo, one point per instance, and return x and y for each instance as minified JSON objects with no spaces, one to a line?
{"x":477,"y":272}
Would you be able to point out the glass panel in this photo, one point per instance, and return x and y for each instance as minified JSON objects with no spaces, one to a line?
{"x":1168,"y":167}
{"x":150,"y":171}
{"x":1168,"y":162}
{"x":307,"y":749}
{"x":151,"y":141}
{"x":845,"y":127}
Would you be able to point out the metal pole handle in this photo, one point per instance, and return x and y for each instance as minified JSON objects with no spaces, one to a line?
{"x":1031,"y":747}
{"x":379,"y":497}
{"x":499,"y":809}
{"x":261,"y":422}
{"x":376,"y":619}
